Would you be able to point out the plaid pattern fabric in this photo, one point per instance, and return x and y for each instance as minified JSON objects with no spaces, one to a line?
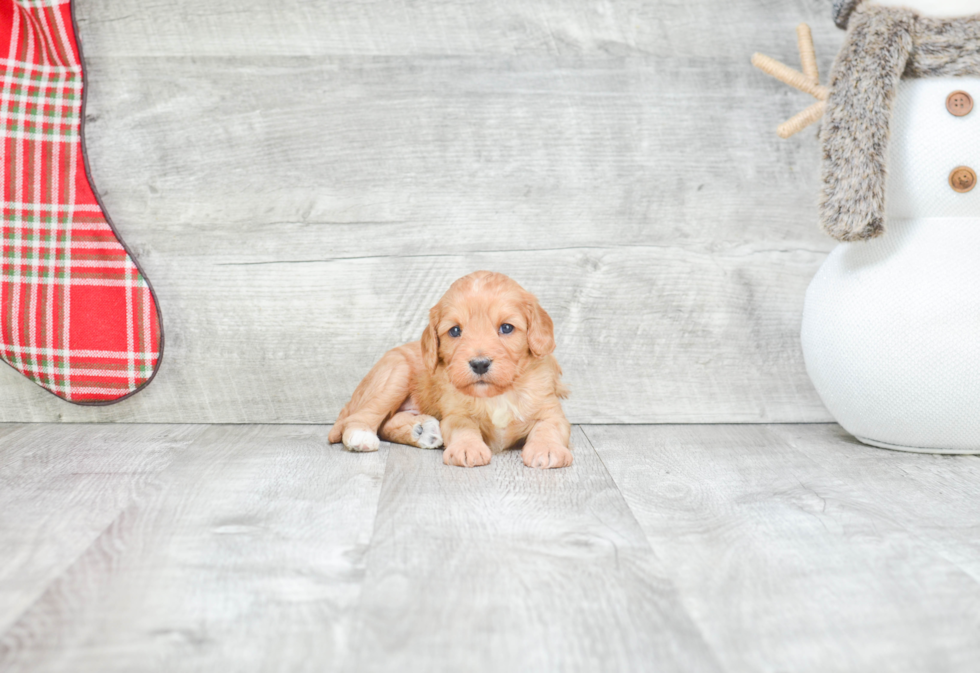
{"x":76,"y":315}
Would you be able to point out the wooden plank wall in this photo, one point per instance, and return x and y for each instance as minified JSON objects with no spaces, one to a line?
{"x":301,"y":180}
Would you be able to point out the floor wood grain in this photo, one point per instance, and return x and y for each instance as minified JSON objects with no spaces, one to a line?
{"x":246,"y":553}
{"x":795,"y":548}
{"x":61,"y":489}
{"x":687,"y":548}
{"x":507,"y":568}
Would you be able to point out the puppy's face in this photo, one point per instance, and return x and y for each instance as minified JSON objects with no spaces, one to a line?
{"x":484,"y":331}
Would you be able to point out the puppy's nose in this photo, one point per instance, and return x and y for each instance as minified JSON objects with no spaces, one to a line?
{"x":480,"y":366}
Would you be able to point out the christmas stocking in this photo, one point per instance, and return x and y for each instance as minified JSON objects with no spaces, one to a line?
{"x":77,"y":316}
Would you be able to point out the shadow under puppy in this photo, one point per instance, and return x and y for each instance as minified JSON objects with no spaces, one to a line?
{"x":482,"y":379}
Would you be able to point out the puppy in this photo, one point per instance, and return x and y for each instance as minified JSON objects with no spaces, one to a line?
{"x":481,"y":380}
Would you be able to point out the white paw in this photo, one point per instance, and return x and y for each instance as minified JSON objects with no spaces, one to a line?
{"x":427,"y":434}
{"x":361,"y":441}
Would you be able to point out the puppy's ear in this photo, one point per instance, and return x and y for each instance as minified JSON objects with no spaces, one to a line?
{"x":540,"y":329}
{"x":430,"y":340}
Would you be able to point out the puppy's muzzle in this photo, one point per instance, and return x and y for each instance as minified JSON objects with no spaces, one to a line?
{"x":480,"y":366}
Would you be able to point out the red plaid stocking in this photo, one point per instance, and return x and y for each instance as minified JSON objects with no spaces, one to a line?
{"x":76,"y":314}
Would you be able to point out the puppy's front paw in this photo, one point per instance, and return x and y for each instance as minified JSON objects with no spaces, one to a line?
{"x":466,"y":454}
{"x":361,"y":441}
{"x":544,"y":456}
{"x":426,"y":433}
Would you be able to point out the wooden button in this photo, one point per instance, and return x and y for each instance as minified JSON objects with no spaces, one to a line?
{"x":959,"y":103}
{"x":962,"y":179}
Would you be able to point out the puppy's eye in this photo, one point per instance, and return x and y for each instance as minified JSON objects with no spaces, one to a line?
{"x":506,"y":328}
{"x":455,"y":331}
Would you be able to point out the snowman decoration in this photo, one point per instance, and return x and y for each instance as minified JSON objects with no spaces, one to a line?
{"x":891,"y":322}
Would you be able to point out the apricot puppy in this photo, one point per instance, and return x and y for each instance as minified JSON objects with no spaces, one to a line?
{"x":481,"y":380}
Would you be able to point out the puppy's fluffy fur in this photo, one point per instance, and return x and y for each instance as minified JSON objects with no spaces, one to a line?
{"x":442,"y":389}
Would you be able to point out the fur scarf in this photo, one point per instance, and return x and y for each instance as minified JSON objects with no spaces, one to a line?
{"x":883,"y":44}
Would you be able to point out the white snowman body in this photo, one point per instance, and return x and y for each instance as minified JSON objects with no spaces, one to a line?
{"x":891,"y":326}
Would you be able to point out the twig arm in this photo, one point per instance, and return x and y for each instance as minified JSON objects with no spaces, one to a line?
{"x":807,"y":81}
{"x":787,"y":75}
{"x":808,"y":55}
{"x":798,"y":122}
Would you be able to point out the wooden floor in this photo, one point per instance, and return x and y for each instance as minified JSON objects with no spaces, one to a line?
{"x":667,"y":548}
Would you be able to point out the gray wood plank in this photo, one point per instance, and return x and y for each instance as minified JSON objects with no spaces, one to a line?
{"x":12,"y":449}
{"x":617,"y":158}
{"x":796,"y":548}
{"x":61,"y":487}
{"x":506,"y":568}
{"x":247,"y":555}
{"x":714,"y":330}
{"x":295,"y":353}
{"x":148,"y":548}
{"x":128,"y":28}
{"x":935,"y":500}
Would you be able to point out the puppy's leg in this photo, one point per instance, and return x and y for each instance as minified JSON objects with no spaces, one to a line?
{"x":464,"y":443}
{"x":337,"y":431}
{"x":413,"y":429}
{"x":379,"y":395}
{"x":547,"y":443}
